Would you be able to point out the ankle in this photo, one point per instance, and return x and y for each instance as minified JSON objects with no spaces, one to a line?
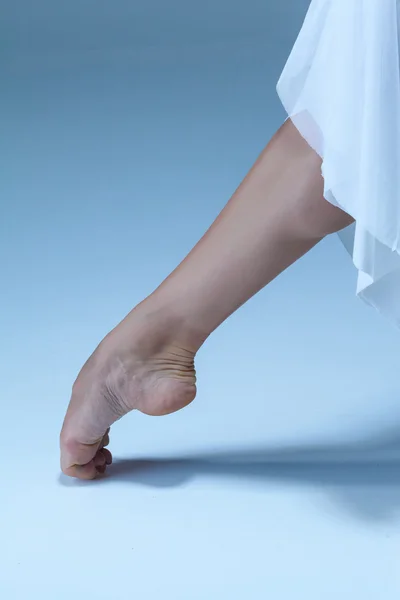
{"x":165,"y":326}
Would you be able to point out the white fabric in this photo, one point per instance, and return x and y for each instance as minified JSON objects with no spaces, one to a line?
{"x":341,"y":89}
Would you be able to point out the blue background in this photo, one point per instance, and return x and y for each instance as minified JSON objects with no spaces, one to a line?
{"x":126,"y":126}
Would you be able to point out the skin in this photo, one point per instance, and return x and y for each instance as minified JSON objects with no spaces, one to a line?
{"x":146,"y":363}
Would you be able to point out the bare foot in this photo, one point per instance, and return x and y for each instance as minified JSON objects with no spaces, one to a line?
{"x":147,"y":362}
{"x":144,"y":365}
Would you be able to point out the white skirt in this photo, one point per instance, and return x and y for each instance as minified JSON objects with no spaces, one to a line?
{"x":341,"y":89}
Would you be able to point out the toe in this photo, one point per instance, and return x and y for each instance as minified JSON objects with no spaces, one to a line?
{"x":87,"y":471}
{"x":99,"y":459}
{"x":78,"y":459}
{"x":106,"y":439}
{"x":108,"y":456}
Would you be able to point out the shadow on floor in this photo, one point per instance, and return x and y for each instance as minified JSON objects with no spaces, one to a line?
{"x":363,"y":477}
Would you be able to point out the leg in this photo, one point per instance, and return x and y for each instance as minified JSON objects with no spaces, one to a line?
{"x":147,"y":362}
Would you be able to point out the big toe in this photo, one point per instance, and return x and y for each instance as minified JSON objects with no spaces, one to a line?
{"x":83,"y":460}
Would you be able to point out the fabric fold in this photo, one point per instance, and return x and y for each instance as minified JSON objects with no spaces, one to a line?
{"x":341,"y":89}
